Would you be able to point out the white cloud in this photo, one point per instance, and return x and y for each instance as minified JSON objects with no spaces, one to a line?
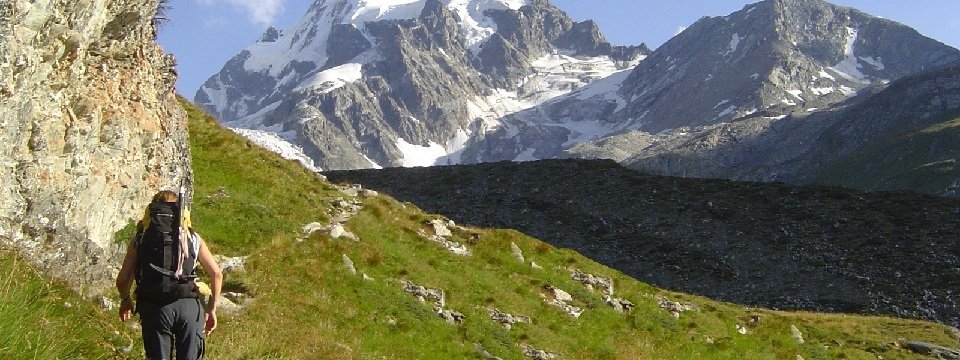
{"x":680,"y":29}
{"x":260,"y":12}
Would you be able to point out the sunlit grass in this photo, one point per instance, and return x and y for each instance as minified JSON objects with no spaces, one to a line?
{"x":41,"y":319}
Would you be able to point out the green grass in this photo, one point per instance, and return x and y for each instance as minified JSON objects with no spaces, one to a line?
{"x":307,"y":306}
{"x":40,"y":319}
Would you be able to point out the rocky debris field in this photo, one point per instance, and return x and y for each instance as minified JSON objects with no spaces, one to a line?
{"x":760,"y":244}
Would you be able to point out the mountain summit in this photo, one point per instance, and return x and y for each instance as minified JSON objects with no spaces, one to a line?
{"x":774,"y":57}
{"x":405,"y":83}
{"x":770,"y":59}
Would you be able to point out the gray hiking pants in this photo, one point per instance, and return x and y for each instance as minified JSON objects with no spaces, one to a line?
{"x":178,"y":324}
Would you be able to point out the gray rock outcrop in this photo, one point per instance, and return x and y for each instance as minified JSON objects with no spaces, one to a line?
{"x":562,"y":300}
{"x":931,"y":350}
{"x":90,"y":129}
{"x":425,"y":294}
{"x":507,"y":320}
{"x":537,"y":354}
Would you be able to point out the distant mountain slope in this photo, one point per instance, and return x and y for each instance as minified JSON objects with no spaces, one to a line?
{"x":924,"y":160}
{"x":890,"y":132}
{"x":405,"y":83}
{"x":771,"y":59}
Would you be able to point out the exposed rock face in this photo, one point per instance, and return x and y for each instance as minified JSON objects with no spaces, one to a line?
{"x":408,"y":85}
{"x":90,"y":129}
{"x":771,"y":245}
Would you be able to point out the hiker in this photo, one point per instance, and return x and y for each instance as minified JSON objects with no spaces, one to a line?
{"x":162,"y":258}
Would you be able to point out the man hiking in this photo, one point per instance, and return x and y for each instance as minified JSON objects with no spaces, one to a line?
{"x":162,"y":259}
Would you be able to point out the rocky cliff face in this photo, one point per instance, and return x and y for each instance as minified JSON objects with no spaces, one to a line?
{"x":369,"y":84}
{"x":89,"y":130}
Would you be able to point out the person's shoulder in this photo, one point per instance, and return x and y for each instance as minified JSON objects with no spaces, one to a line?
{"x":194,"y":235}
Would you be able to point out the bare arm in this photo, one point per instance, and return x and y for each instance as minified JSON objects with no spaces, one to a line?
{"x":125,"y":281}
{"x":216,"y":278}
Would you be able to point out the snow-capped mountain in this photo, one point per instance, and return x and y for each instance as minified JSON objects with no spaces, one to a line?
{"x":768,"y":60}
{"x":370,"y":83}
{"x":749,"y":96}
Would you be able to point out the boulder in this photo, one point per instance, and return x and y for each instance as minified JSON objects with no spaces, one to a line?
{"x":337,"y":231}
{"x":231,"y":264}
{"x":440,"y":228}
{"x":349,"y":264}
{"x":592,"y":281}
{"x":311,"y":228}
{"x":507,"y":320}
{"x":675,"y":308}
{"x":517,"y":253}
{"x":561,"y":300}
{"x":352,"y":190}
{"x":451,"y":246}
{"x":620,"y":305}
{"x":536,"y":354}
{"x":423,"y":293}
{"x":797,"y":335}
{"x":452,"y":317}
{"x":932,"y":350}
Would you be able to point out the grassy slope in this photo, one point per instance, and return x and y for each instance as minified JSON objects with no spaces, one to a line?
{"x":925,"y":160}
{"x":308,"y":306}
{"x":40,"y":319}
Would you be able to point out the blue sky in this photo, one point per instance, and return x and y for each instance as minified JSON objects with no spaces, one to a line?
{"x":204,"y":34}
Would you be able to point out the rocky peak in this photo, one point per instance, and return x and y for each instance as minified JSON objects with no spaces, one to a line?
{"x":271,"y":35}
{"x":774,"y":57}
{"x":372,"y":83}
{"x":585,"y":38}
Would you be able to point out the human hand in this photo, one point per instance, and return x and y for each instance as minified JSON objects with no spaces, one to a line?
{"x":211,"y":323}
{"x":126,"y":309}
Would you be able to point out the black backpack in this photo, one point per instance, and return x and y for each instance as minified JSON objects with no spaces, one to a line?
{"x":160,"y":275}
